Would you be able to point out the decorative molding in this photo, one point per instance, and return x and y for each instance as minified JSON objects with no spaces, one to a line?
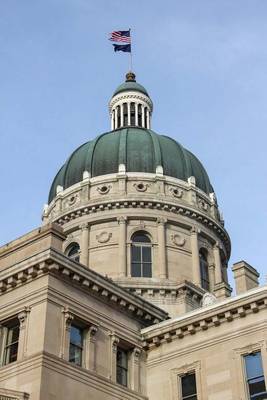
{"x":141,"y":187}
{"x":176,"y":192}
{"x":178,"y":239}
{"x":209,"y":299}
{"x":103,"y":237}
{"x":202,"y":205}
{"x":103,"y":189}
{"x":72,"y":199}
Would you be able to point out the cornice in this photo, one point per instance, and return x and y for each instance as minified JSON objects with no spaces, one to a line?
{"x":205,"y":318}
{"x":57,"y":264}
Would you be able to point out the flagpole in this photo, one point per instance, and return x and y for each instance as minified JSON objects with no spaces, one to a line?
{"x":131,"y":57}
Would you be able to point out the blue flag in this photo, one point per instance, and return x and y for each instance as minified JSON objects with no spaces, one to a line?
{"x":122,"y":47}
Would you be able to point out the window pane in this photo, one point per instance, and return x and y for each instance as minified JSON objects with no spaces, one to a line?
{"x":257,"y":386}
{"x":76,"y":336}
{"x":121,"y":376}
{"x":122,"y":358}
{"x":140,"y":237}
{"x":13,"y":335}
{"x":136,"y":270}
{"x":147,"y":270}
{"x":146,"y":254}
{"x":189,"y":385}
{"x":122,"y":366}
{"x":253,"y":365}
{"x":75,"y":355}
{"x":136,"y":254}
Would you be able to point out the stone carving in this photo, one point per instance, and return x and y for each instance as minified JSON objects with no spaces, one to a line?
{"x":178,"y":239}
{"x":208,"y":299}
{"x":103,"y":237}
{"x":202,"y":205}
{"x":141,"y":187}
{"x":176,"y":192}
{"x":103,"y":189}
{"x":72,"y":199}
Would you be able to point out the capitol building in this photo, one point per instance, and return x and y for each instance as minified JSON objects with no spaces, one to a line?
{"x":122,"y":293}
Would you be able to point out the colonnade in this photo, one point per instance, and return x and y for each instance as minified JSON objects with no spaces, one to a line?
{"x":130,"y":114}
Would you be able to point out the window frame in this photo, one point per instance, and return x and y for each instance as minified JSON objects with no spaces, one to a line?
{"x":203,"y":258}
{"x":176,"y":381}
{"x":125,"y":351}
{"x":76,"y":256}
{"x":76,"y":324}
{"x":141,"y":245}
{"x":6,"y":327}
{"x":246,"y":379}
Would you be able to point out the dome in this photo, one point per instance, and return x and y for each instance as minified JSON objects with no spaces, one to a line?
{"x":130,"y":85}
{"x":139,"y":149}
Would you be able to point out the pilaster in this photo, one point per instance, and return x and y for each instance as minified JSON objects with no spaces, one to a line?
{"x":23,"y":318}
{"x":195,"y":257}
{"x":65,"y":338}
{"x":162,"y":247}
{"x":122,"y":221}
{"x":114,"y":341}
{"x":84,"y":256}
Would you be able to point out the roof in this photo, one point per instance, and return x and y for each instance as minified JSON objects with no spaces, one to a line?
{"x":130,"y":86}
{"x":139,"y":149}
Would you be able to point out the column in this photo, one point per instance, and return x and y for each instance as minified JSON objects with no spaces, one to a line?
{"x":65,"y":338}
{"x":129,"y":113}
{"x":147,"y":119}
{"x":121,"y":115}
{"x":162,"y":247}
{"x":23,"y":318}
{"x":91,"y":355}
{"x":122,"y":221}
{"x":136,"y":114}
{"x":84,"y":256}
{"x":135,"y":369}
{"x":212,"y":276}
{"x":116,"y":117}
{"x":114,"y":341}
{"x":218,"y":265}
{"x":112,"y":120}
{"x":195,"y":257}
{"x":143,"y":116}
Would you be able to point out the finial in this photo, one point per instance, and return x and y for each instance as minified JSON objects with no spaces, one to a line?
{"x":130,"y":77}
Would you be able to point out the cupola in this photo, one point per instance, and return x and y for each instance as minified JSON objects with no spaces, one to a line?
{"x":130,"y":105}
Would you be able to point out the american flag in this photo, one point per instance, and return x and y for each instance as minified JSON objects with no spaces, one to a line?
{"x":120,"y":36}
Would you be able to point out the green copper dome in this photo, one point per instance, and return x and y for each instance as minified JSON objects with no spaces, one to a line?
{"x":139,"y":149}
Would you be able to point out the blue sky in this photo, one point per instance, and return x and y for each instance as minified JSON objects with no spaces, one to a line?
{"x":204,"y":64}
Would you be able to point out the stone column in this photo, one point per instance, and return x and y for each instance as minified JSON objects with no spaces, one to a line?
{"x":65,"y":338}
{"x":212,"y":276}
{"x":195,"y":257}
{"x":91,"y":343}
{"x":136,"y":114}
{"x":135,"y":369}
{"x":114,"y":341}
{"x":122,"y":221}
{"x":129,"y":113}
{"x":116,"y":117}
{"x":84,"y":255}
{"x":143,"y":116}
{"x":23,"y":332}
{"x":121,"y":115}
{"x":112,"y":120}
{"x":218,"y":264}
{"x":162,"y":248}
{"x":147,"y":119}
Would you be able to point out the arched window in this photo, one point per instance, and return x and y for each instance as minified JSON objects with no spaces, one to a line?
{"x":132,"y":114}
{"x":119,"y":116}
{"x":141,"y":257}
{"x":125,"y":114}
{"x":73,"y":251}
{"x":204,"y":269}
{"x":139,"y":115}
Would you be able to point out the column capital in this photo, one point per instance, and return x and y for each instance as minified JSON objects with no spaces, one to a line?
{"x":22,"y":316}
{"x":194,"y":230}
{"x":114,"y":341}
{"x":161,"y":220}
{"x":92,"y":331}
{"x":68,"y":317}
{"x":84,"y":226}
{"x":137,"y":353}
{"x":122,"y":220}
{"x":217,"y":245}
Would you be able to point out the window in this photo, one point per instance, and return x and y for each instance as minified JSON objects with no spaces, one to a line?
{"x":119,"y":116}
{"x":145,"y":111}
{"x":204,"y":269}
{"x":76,"y":345}
{"x":122,"y":366}
{"x":255,"y":377}
{"x":73,"y":251}
{"x":189,"y":387}
{"x":132,"y":113}
{"x":139,"y":115}
{"x":125,"y":114}
{"x":141,"y":263}
{"x":10,"y":341}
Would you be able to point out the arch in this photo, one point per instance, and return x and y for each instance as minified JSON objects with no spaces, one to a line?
{"x":204,"y":269}
{"x":73,"y":251}
{"x":141,"y":255}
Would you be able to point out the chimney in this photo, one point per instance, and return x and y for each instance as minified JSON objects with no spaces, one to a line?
{"x":246,"y":277}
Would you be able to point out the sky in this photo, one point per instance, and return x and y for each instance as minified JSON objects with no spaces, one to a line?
{"x":204,"y":64}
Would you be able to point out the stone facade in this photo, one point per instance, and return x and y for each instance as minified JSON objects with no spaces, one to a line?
{"x":123,"y":292}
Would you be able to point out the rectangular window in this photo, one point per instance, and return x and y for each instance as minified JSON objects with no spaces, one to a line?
{"x":122,"y":366}
{"x":10,"y":341}
{"x":188,"y":387}
{"x":255,"y":377}
{"x":76,"y":345}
